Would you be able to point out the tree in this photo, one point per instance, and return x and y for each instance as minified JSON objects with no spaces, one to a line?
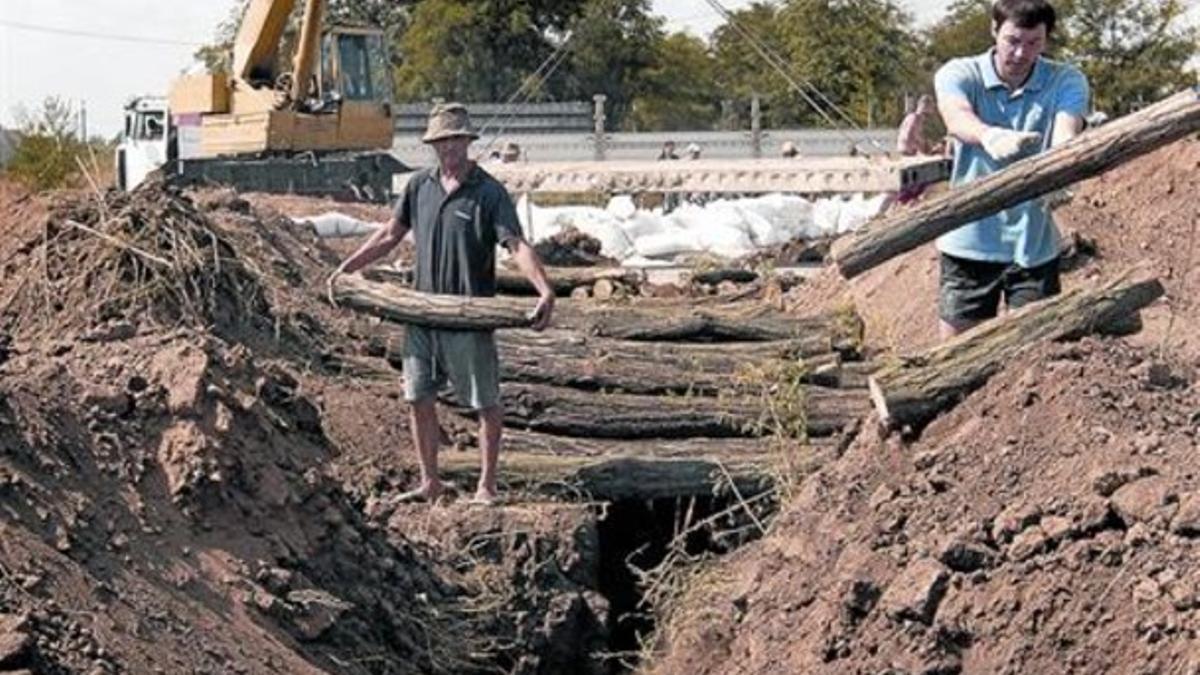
{"x":1134,"y":52}
{"x":861,"y":55}
{"x":741,"y":71}
{"x":681,"y":90}
{"x":966,"y":30}
{"x":613,"y":46}
{"x":45,"y":158}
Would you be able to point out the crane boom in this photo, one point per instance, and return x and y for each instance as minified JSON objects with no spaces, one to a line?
{"x":307,"y":51}
{"x":258,"y":38}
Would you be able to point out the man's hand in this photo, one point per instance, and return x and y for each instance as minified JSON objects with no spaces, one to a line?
{"x":540,"y":316}
{"x":1005,"y":145}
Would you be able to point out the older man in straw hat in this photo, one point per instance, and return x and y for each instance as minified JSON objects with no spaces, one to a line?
{"x":458,"y":213}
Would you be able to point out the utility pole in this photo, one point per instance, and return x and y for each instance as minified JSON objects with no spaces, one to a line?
{"x":756,"y":134}
{"x":82,"y":128}
{"x":598,"y":117}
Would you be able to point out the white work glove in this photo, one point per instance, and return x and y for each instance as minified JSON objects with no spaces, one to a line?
{"x":1005,"y":145}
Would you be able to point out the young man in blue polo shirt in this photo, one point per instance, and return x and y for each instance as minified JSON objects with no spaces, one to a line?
{"x":1003,"y":105}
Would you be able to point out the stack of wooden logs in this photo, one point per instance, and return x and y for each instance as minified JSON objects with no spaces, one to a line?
{"x":648,"y":397}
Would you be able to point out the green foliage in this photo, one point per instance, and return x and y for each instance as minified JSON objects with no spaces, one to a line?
{"x":966,"y":30}
{"x":680,"y":90}
{"x":613,"y":46}
{"x":861,"y":54}
{"x":741,"y":72}
{"x":45,"y":159}
{"x":1134,"y":52}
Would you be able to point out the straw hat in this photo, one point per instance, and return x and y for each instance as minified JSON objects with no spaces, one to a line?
{"x":449,"y":120}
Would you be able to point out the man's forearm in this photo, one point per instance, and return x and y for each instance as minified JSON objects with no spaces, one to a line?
{"x":529,"y":264}
{"x":377,"y":246}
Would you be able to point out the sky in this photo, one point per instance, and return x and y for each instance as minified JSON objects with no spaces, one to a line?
{"x":102,"y":52}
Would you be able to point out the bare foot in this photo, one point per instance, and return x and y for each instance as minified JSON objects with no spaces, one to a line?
{"x":485,"y":497}
{"x":429,"y":492}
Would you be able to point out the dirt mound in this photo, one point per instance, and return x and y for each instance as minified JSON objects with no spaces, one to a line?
{"x":164,"y":467}
{"x":1046,"y":525}
{"x":1145,"y":210}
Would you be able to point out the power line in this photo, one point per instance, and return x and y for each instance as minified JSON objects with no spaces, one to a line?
{"x":98,"y":36}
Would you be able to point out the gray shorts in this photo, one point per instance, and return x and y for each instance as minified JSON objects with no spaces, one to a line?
{"x":466,"y":358}
{"x":971,"y":290}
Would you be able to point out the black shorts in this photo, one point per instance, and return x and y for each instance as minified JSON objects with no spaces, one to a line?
{"x":970,"y":290}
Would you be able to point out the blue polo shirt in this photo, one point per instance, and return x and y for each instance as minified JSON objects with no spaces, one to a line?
{"x":1024,"y":234}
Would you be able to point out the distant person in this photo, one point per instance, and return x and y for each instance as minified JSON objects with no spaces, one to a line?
{"x":511,"y":153}
{"x":458,"y":214}
{"x":911,"y":138}
{"x":789,"y":150}
{"x":693,"y":151}
{"x":668,"y":151}
{"x":1000,"y":106}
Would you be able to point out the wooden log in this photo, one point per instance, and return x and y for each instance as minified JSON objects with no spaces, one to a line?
{"x":571,"y":412}
{"x":641,"y":469}
{"x":394,"y":303}
{"x":917,"y":389}
{"x":565,"y":280}
{"x":714,"y":277}
{"x":649,"y":367}
{"x":748,"y":321}
{"x":1090,"y":154}
{"x":685,"y":324}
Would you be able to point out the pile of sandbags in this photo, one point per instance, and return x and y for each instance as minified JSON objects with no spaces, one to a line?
{"x":728,"y":228}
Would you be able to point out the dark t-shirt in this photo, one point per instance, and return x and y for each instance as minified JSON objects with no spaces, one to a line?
{"x":456,"y":235}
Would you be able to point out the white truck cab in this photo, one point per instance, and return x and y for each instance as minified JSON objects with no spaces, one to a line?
{"x":146,"y":141}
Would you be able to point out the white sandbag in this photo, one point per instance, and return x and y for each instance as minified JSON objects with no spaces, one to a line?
{"x":622,"y":207}
{"x":669,"y":243}
{"x":643,"y":223}
{"x":333,"y":225}
{"x":725,"y":241}
{"x":826,"y":213}
{"x":857,"y":211}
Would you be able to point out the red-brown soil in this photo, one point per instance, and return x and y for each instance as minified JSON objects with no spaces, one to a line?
{"x":1046,"y":524}
{"x":195,"y":487}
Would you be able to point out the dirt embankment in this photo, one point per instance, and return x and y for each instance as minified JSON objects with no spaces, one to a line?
{"x":1049,"y":523}
{"x":187,"y":460}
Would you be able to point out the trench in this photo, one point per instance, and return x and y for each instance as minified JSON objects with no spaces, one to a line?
{"x":636,"y":536}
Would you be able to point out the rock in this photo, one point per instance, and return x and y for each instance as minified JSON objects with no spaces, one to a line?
{"x":1028,"y":544}
{"x":1145,"y":501}
{"x":966,"y":556}
{"x":315,"y":612}
{"x":111,"y":332}
{"x":916,"y":593}
{"x":1146,"y":590}
{"x":16,"y":643}
{"x":1056,"y":528}
{"x":1187,"y":519}
{"x":859,"y":598}
{"x":1107,"y":481}
{"x":581,"y":293}
{"x":1013,"y":520}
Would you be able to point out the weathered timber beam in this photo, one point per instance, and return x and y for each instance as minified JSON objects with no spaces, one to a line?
{"x":644,"y":469}
{"x":915,"y":390}
{"x":394,"y":303}
{"x":652,"y":368}
{"x":570,"y":412}
{"x":511,"y":282}
{"x":1091,"y":153}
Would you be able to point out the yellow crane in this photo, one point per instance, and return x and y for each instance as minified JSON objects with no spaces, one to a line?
{"x":324,"y":126}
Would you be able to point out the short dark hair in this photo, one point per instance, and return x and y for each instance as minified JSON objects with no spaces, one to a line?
{"x":1024,"y":13}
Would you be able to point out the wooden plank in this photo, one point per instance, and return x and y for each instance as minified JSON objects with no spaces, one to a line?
{"x":1092,"y":153}
{"x":916,"y":389}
